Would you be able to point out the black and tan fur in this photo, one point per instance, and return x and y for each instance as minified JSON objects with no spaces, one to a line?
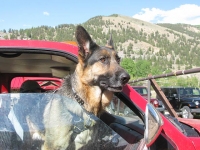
{"x":97,"y":76}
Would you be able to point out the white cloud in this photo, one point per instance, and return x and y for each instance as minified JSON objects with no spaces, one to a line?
{"x":187,"y":13}
{"x":45,"y":13}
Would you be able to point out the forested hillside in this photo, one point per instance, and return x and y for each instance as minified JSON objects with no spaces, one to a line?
{"x":158,"y":48}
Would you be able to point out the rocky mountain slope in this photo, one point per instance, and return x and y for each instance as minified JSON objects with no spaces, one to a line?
{"x":167,"y":46}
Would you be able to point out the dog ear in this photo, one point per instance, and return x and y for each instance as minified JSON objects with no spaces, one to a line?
{"x":84,"y":41}
{"x":110,"y":43}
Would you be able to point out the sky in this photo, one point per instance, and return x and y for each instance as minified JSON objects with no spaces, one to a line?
{"x":22,"y":14}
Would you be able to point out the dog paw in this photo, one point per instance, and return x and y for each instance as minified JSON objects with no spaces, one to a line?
{"x":36,"y":136}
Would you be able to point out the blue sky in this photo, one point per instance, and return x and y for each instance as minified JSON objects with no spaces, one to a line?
{"x":21,"y":14}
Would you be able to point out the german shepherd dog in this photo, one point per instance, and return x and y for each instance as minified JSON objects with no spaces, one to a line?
{"x":95,"y":79}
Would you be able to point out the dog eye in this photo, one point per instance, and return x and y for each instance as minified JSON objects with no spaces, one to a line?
{"x":103,"y":59}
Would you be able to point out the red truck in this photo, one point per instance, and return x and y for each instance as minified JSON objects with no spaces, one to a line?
{"x":26,"y":58}
{"x":143,"y":91}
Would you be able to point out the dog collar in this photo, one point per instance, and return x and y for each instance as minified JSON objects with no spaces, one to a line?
{"x":78,"y":99}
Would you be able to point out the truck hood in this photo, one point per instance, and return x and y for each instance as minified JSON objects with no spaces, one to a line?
{"x":195,"y":123}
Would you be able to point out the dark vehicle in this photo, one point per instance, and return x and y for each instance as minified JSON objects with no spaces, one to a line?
{"x":142,"y":90}
{"x":185,"y":100}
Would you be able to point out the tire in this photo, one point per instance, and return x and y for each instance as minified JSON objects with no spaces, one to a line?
{"x":186,"y":113}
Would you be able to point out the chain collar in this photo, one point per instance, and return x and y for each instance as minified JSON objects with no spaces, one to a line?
{"x":78,"y":99}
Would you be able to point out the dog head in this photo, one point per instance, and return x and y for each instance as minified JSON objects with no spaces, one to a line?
{"x":99,"y":65}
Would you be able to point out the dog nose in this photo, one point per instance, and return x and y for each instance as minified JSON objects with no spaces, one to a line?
{"x":124,"y":77}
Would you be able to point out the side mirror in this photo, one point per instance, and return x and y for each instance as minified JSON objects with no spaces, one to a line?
{"x":153,"y":124}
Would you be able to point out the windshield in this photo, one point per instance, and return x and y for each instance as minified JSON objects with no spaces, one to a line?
{"x":141,"y":91}
{"x":22,"y":123}
{"x":189,"y":91}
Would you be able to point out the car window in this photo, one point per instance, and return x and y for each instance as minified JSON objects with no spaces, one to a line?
{"x":119,"y":108}
{"x":165,"y":91}
{"x":46,"y":83}
{"x":181,"y":91}
{"x":172,"y":92}
{"x":189,"y":91}
{"x":142,"y":91}
{"x":15,"y":120}
{"x":169,"y":92}
{"x":195,"y":92}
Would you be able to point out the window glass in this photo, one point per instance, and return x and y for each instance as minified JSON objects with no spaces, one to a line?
{"x":15,"y":121}
{"x":173,"y":91}
{"x":126,"y":121}
{"x":181,"y":91}
{"x":166,"y":92}
{"x":189,"y":91}
{"x":195,"y":92}
{"x":46,"y":83}
{"x":119,"y":108}
{"x":142,"y":91}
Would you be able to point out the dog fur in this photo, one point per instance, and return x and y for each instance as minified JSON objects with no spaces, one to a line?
{"x":97,"y":76}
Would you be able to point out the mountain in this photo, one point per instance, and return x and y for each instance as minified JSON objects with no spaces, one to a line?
{"x":166,"y":46}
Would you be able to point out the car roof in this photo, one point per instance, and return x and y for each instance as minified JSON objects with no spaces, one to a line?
{"x":38,"y":44}
{"x":32,"y":56}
